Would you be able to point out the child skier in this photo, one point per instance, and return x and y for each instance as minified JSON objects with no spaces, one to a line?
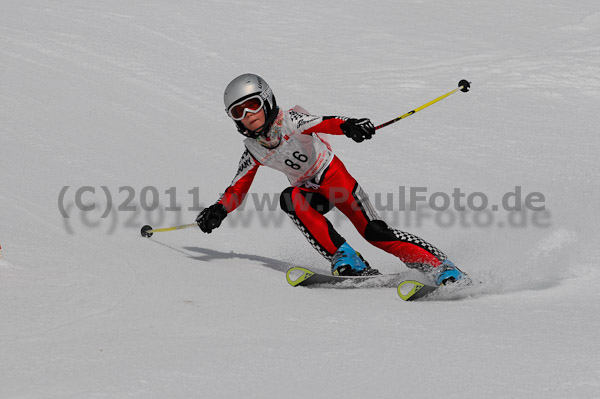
{"x":291,"y":142}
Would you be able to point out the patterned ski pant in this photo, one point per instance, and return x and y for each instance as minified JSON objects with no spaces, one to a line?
{"x":307,"y":207}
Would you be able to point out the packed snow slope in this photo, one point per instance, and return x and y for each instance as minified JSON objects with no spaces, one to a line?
{"x":120,"y":103}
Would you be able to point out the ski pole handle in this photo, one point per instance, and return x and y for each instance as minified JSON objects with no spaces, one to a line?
{"x":147,"y":230}
{"x":463,"y":86}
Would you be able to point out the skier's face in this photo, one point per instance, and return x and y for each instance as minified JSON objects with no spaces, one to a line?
{"x":254,"y":122}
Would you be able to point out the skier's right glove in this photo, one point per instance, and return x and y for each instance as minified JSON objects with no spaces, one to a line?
{"x":210,"y":218}
{"x":358,"y":129}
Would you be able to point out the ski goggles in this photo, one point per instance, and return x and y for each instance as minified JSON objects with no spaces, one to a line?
{"x":238,"y":111}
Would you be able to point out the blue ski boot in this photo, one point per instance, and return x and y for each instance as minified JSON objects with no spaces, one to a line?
{"x":347,"y":262}
{"x":447,"y":272}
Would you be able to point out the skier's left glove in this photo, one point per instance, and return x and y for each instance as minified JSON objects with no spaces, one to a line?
{"x":358,"y":129}
{"x":210,"y":218}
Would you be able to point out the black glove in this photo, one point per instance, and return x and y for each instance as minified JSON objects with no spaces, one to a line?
{"x":358,"y":129}
{"x":210,"y":218}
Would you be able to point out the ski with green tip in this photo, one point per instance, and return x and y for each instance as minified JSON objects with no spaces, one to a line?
{"x":410,"y":290}
{"x":301,"y":276}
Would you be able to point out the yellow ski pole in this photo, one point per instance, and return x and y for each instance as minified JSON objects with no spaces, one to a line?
{"x":463,"y":86}
{"x":147,"y":230}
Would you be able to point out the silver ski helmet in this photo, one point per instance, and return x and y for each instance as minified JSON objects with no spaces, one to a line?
{"x":243,"y":88}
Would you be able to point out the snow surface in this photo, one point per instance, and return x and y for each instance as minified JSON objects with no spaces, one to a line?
{"x":120,"y":94}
